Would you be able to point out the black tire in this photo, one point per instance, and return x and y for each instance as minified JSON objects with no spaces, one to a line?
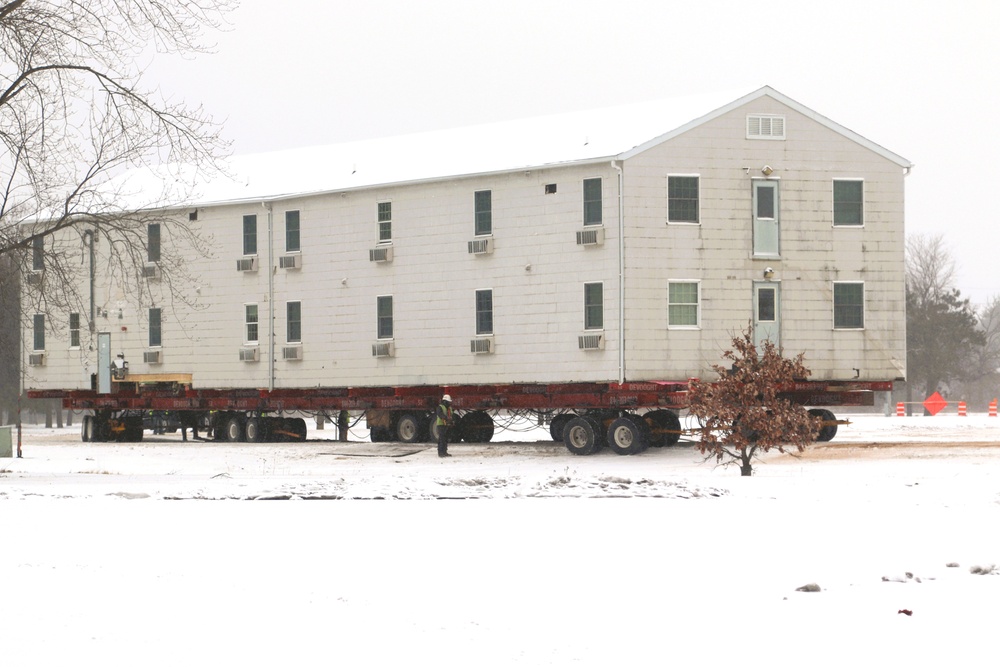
{"x":828,"y":430}
{"x":582,"y":436}
{"x":87,"y":429}
{"x":133,"y":429}
{"x":477,"y":426}
{"x":665,"y":428}
{"x":454,"y":435}
{"x":300,"y":432}
{"x":558,"y":424}
{"x":235,"y":428}
{"x":409,"y":428}
{"x":256,"y":429}
{"x":628,"y":435}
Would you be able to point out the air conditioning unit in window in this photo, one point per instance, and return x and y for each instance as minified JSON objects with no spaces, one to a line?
{"x":482,"y":346}
{"x":591,"y":341}
{"x":292,"y":352}
{"x":247,"y":264}
{"x":151,"y":357}
{"x":151,"y":270}
{"x":36,"y":359}
{"x":593,"y":236}
{"x":290,"y":262}
{"x":380,"y":254}
{"x":35,"y":278}
{"x":482,"y":246}
{"x":249,"y":354}
{"x":383,"y":348}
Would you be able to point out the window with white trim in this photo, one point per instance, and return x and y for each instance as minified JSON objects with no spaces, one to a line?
{"x":593,"y":305}
{"x":153,"y":242}
{"x":155,"y":327}
{"x":848,"y":305}
{"x":682,"y":199}
{"x":251,"y":323}
{"x":484,"y":312}
{"x":383,"y":308}
{"x":293,"y":321}
{"x":765,"y":126}
{"x":684,"y":304}
{"x":249,"y":234}
{"x":848,"y":203}
{"x":38,"y":332}
{"x":74,"y":329}
{"x":292,"y":242}
{"x":38,"y":253}
{"x":385,"y":222}
{"x":484,"y":212}
{"x":593,"y":204}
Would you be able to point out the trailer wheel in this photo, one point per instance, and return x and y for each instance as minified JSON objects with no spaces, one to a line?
{"x":582,"y":436}
{"x":628,"y":435}
{"x":408,"y":428}
{"x":828,"y":430}
{"x":454,"y":435}
{"x":299,"y":429}
{"x":133,"y":429}
{"x":665,"y":428}
{"x":558,"y":425}
{"x":256,"y":430}
{"x":87,"y":429}
{"x":477,"y":426}
{"x":235,"y":428}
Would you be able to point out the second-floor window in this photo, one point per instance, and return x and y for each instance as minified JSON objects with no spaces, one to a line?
{"x":593,"y":205}
{"x":38,"y":332}
{"x":484,"y":212}
{"x":593,"y":306}
{"x":38,"y":253}
{"x":293,"y":311}
{"x":682,"y":199}
{"x":384,"y":221}
{"x":292,"y":231}
{"x":153,"y":242}
{"x":249,"y":234}
{"x":848,"y":203}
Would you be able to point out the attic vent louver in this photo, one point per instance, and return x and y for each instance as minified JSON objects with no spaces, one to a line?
{"x":764,"y":126}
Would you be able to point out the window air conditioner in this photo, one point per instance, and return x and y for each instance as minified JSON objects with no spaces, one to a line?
{"x":591,"y":342}
{"x":383,"y":349}
{"x":482,"y":346}
{"x":290,"y":262}
{"x":593,"y":236}
{"x":380,"y":254}
{"x":482,"y":246}
{"x":292,"y":352}
{"x":249,"y":354}
{"x":247,"y":264}
{"x":36,"y":359}
{"x":151,"y":356}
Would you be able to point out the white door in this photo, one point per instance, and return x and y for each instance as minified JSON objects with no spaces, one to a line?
{"x":766,"y":230}
{"x":766,"y":321}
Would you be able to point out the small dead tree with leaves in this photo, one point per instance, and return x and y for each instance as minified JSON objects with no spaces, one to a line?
{"x":742,"y":412}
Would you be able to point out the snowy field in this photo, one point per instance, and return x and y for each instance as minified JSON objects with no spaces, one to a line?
{"x":559,"y":560}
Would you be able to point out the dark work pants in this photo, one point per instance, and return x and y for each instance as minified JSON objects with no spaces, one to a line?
{"x":442,"y":439}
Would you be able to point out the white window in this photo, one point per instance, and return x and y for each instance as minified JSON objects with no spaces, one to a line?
{"x":38,"y":332}
{"x":153,"y":242}
{"x":593,"y":204}
{"x":848,"y":203}
{"x":484,"y":212}
{"x":484,"y":312}
{"x":766,"y":219}
{"x":293,"y":322}
{"x":251,"y":323}
{"x":684,"y":304}
{"x":74,"y":329}
{"x":682,"y":199}
{"x":249,"y":234}
{"x":383,"y":314}
{"x":155,"y":327}
{"x":765,"y":126}
{"x":384,"y":221}
{"x":848,"y":305}
{"x":593,"y":306}
{"x":292,"y":242}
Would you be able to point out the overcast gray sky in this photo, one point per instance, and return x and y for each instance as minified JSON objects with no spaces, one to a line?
{"x":920,"y":78}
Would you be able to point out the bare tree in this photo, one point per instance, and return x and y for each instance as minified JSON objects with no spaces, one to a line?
{"x":943,"y":339}
{"x":743,"y":413}
{"x":78,"y":126}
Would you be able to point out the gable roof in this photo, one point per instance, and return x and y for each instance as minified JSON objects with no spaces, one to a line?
{"x":565,"y":139}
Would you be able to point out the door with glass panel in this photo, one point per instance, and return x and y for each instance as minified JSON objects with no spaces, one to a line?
{"x":766,"y":315}
{"x":766,"y":227}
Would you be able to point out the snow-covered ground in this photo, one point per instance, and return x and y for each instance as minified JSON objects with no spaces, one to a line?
{"x":562,"y":560}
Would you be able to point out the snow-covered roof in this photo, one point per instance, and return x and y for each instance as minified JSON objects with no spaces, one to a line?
{"x":532,"y":143}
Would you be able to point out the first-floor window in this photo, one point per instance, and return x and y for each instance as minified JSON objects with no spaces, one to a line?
{"x":484,"y":312}
{"x":74,"y":329}
{"x":155,"y":332}
{"x":384,"y":316}
{"x":251,"y":324}
{"x":294,"y":321}
{"x":683,"y":304}
{"x":848,"y":305}
{"x":38,"y":332}
{"x":593,"y":306}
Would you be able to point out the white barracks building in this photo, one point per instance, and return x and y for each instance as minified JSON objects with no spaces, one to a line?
{"x":623,"y":245}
